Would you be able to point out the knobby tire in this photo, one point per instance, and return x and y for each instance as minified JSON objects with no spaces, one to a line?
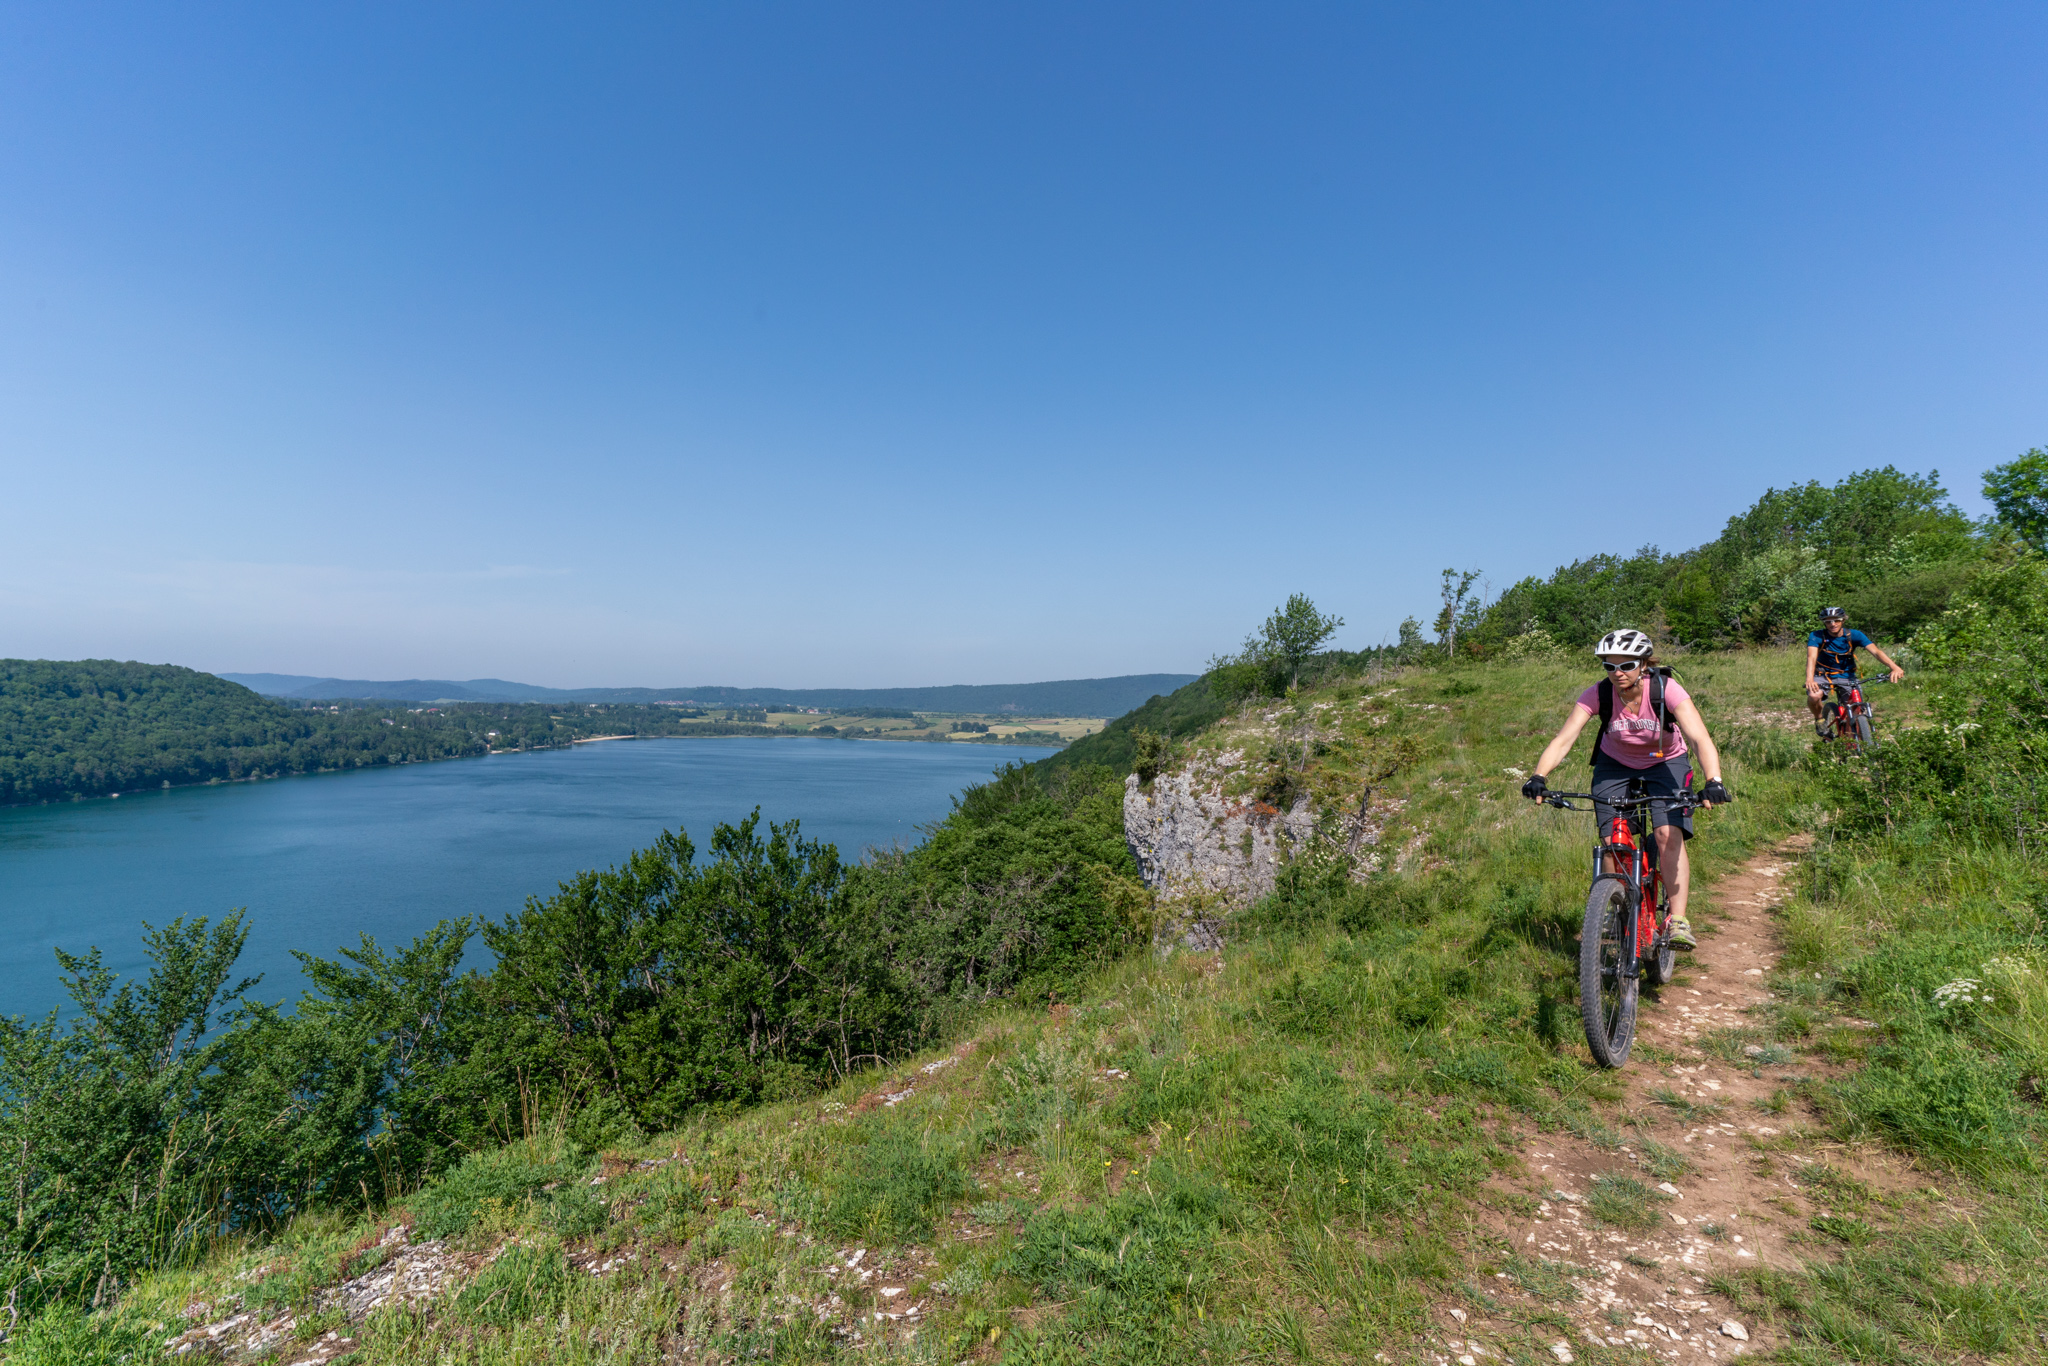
{"x":1607,"y":996}
{"x":1862,"y":731}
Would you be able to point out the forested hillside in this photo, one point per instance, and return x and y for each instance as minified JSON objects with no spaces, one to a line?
{"x":89,"y":727}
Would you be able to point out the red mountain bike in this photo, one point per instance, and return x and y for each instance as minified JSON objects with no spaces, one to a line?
{"x":1846,"y":714}
{"x":1626,"y":938}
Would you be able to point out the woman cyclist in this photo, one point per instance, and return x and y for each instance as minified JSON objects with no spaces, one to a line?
{"x":1831,"y":662}
{"x":1638,"y":743}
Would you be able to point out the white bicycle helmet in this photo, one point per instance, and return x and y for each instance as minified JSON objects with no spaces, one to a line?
{"x":1626,"y":641}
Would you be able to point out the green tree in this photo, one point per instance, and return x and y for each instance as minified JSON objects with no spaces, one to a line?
{"x":1410,"y":647}
{"x":124,"y":1140}
{"x":1459,"y":607}
{"x":2018,"y":489}
{"x":1293,"y":633}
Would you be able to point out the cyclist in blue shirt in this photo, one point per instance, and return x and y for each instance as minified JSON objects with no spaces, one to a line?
{"x":1831,"y":656}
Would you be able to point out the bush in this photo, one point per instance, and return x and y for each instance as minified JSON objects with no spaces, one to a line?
{"x":168,"y":1078}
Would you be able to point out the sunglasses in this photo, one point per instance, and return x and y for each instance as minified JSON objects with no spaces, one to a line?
{"x":1630,"y":667}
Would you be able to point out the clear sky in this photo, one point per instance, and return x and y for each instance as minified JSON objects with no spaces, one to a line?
{"x":879,"y":344}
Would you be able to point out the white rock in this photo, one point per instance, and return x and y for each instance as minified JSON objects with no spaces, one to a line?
{"x":1732,"y":1329}
{"x":1188,"y":837}
{"x":1562,"y":1352}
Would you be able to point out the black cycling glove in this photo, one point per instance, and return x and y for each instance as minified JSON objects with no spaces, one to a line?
{"x":1715,"y":793}
{"x":1535,"y":788}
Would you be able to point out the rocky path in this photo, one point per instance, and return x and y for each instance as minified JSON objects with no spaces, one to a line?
{"x":1706,"y":1164}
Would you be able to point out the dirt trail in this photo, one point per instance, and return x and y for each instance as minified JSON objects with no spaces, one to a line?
{"x":1741,"y":1204}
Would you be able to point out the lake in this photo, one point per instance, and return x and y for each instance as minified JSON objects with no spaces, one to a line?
{"x":323,"y":859}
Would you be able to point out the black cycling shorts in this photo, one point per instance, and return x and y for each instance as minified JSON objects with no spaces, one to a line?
{"x":1667,"y":779}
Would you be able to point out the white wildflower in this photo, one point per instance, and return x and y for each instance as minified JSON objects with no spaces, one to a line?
{"x":1514,"y":772}
{"x":1962,"y":991}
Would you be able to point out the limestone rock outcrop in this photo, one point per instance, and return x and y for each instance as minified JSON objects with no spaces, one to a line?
{"x":1191,"y":839}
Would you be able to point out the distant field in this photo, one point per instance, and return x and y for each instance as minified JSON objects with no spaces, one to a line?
{"x":1005,"y":728}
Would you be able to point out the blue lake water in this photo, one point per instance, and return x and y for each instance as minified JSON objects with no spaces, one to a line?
{"x":321,"y":860}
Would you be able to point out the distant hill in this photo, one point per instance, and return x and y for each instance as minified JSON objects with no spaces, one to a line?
{"x":1067,"y":697}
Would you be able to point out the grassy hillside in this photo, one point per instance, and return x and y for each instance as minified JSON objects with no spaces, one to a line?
{"x":1305,"y":1148}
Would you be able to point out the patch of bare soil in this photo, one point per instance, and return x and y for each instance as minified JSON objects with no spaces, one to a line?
{"x":1723,"y":1152}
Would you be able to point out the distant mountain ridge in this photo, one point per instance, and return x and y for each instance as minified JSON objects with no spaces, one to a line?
{"x":1064,"y":697}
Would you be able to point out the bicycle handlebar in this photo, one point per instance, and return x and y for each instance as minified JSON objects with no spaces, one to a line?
{"x":1849,"y":680}
{"x":1687,"y":803}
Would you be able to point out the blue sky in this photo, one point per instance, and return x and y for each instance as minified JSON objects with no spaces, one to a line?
{"x":802,"y":345}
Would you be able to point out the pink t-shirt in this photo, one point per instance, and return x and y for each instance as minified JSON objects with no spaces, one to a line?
{"x":1633,"y":737}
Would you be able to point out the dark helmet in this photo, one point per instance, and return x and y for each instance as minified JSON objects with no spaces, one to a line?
{"x":1832,"y":614}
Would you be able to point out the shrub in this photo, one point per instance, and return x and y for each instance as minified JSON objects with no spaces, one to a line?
{"x":1151,"y":755}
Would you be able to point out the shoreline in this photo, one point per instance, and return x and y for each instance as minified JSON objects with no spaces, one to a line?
{"x":454,"y":758}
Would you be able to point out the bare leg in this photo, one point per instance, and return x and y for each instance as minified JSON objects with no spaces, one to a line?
{"x":1676,"y":867}
{"x":1813,"y":703}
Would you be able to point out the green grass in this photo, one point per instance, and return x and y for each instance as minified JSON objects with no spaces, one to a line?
{"x":1624,"y":1202}
{"x":1663,"y":1162}
{"x":1685,"y":1107}
{"x":1282,"y":1155}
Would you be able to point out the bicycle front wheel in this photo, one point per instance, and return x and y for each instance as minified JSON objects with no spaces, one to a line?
{"x":1862,"y":731}
{"x":1607,"y":994}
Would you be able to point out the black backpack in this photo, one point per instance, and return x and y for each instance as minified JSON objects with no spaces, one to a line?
{"x":1657,"y":677}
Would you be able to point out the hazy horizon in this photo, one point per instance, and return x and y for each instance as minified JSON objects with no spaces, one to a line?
{"x":236,"y":675}
{"x":857,"y":347}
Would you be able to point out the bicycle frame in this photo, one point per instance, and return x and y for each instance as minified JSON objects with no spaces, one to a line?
{"x":1626,"y":854}
{"x":1848,"y":694}
{"x":1635,"y":862}
{"x":1843,"y":700}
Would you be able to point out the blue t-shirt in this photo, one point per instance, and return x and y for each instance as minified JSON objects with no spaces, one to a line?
{"x":1837,"y":653}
